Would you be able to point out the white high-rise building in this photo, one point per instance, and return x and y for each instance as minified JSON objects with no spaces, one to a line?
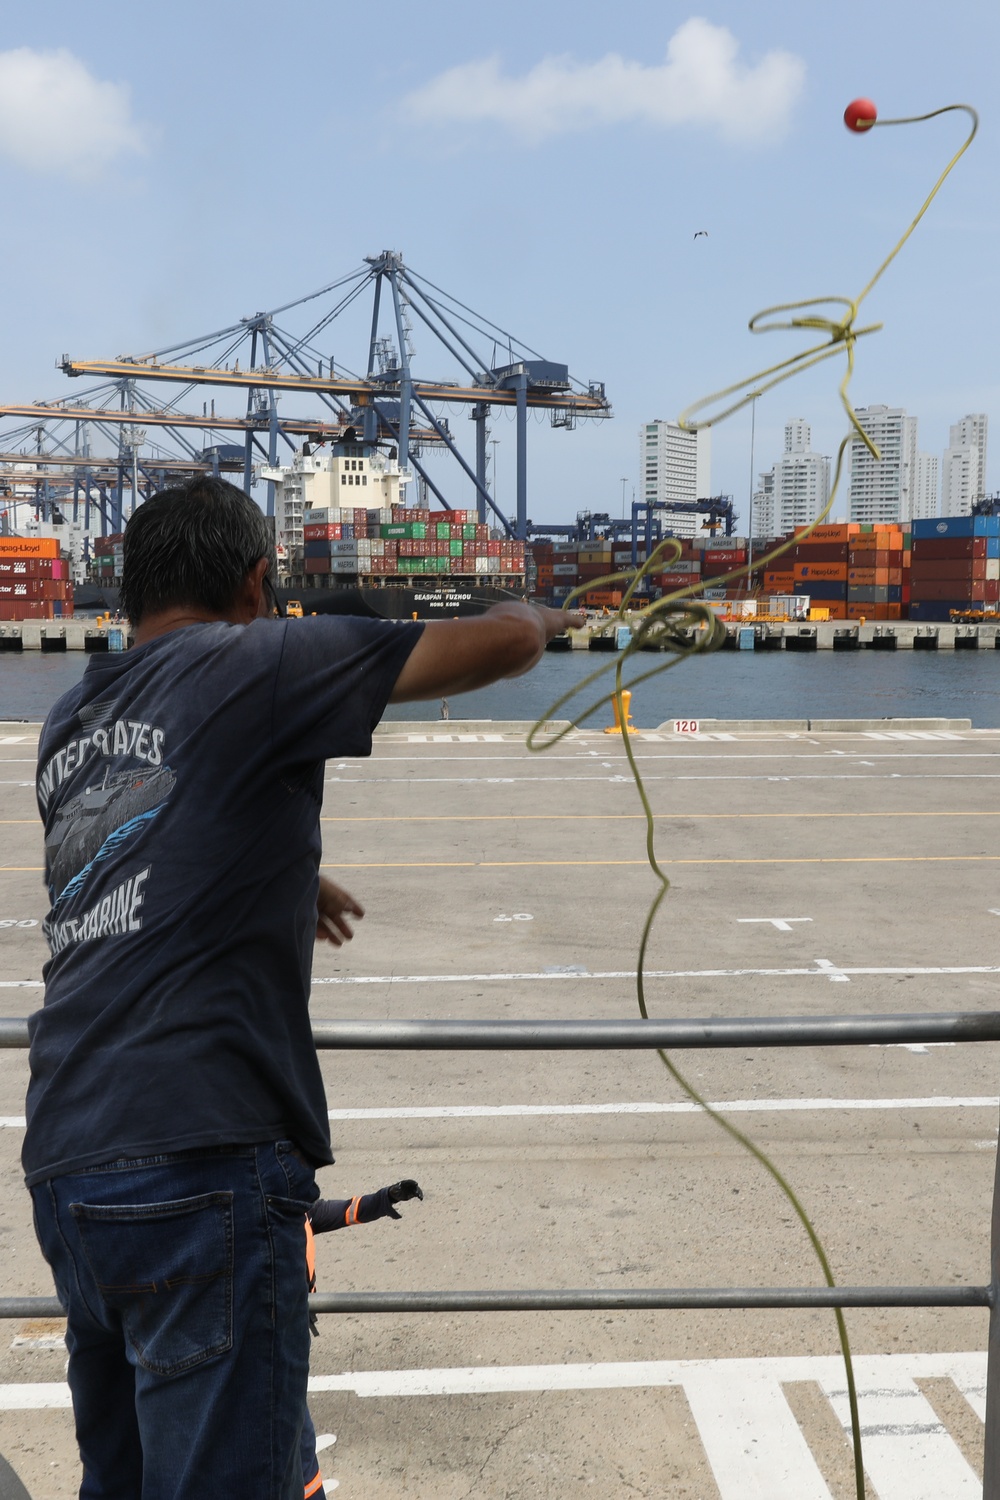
{"x":798,"y":487}
{"x":963,"y":472}
{"x":924,"y":490}
{"x":762,"y":523}
{"x":675,"y":464}
{"x":899,"y":485}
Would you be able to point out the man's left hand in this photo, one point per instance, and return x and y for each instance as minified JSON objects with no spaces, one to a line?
{"x":333,"y":905}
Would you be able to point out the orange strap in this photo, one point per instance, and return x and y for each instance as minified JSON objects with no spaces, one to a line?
{"x":310,"y":1256}
{"x":351,"y":1217}
{"x":314,"y":1485}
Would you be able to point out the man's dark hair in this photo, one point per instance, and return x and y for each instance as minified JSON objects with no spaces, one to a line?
{"x":193,"y":545}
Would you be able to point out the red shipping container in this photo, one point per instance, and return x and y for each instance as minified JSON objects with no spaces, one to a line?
{"x":948,"y":547}
{"x":930,"y":590}
{"x":671,"y":581}
{"x":963,"y":569}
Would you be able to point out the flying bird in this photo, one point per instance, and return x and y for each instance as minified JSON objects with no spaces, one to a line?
{"x":701,"y":231}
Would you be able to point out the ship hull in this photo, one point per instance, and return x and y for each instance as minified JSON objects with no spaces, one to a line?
{"x":389,"y":603}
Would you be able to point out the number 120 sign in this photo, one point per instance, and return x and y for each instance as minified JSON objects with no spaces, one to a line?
{"x":686,"y":726}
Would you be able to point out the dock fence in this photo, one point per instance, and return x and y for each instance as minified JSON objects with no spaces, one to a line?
{"x":672,"y":1035}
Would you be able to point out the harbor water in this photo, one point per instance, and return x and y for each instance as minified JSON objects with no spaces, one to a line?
{"x":729,"y":685}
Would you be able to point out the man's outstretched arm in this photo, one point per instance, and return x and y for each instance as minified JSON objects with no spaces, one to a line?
{"x":455,"y":656}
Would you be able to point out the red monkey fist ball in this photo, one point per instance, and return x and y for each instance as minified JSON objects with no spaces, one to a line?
{"x":860,"y":115}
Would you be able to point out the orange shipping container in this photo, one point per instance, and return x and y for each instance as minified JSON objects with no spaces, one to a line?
{"x":861,"y":577}
{"x":837,"y":533}
{"x":28,"y":546}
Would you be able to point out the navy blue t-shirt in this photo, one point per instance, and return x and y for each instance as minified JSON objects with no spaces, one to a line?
{"x":181,"y":785}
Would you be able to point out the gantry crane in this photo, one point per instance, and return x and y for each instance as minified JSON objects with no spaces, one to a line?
{"x":382,"y":403}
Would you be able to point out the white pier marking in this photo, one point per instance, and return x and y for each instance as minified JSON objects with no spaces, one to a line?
{"x":580,"y":971}
{"x":783,"y":924}
{"x":989,"y":1102}
{"x":753,"y":1444}
{"x":325,"y":1440}
{"x":752,"y":1441}
{"x":908,"y":1451}
{"x":673,"y":1107}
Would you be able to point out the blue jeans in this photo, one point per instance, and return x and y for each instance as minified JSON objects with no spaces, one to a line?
{"x":183,"y":1280}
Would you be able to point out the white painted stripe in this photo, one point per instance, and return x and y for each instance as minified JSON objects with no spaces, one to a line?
{"x":34,"y":1396}
{"x":552,"y":780}
{"x":753,"y":1444}
{"x":908,"y":1452}
{"x":470,"y":1380}
{"x":584,"y":757}
{"x":578,"y":973}
{"x":968,"y":1370}
{"x":677,"y":1107}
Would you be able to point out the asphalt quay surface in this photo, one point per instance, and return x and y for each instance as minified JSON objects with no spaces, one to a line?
{"x":811,"y":874}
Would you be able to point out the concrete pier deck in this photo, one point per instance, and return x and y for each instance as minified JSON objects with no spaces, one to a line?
{"x":815,"y":872}
{"x":84,"y":634}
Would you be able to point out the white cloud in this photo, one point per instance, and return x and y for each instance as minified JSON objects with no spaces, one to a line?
{"x":57,"y":117}
{"x":701,"y":82}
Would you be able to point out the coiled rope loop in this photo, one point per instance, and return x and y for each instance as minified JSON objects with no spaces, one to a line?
{"x":682,"y":626}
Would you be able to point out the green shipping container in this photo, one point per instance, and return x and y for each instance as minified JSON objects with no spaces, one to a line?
{"x":469,"y":533}
{"x":455,"y":549}
{"x":443,"y":532}
{"x":413,"y":531}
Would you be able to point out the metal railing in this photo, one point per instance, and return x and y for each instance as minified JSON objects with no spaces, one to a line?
{"x":673,"y":1035}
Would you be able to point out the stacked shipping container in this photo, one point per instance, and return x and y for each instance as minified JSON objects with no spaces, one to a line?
{"x":107,"y":561}
{"x":35,"y":580}
{"x":955,"y":566}
{"x":878,"y":562}
{"x":402,"y":543}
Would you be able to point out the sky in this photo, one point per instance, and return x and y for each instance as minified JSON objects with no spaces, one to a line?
{"x":169,"y":170}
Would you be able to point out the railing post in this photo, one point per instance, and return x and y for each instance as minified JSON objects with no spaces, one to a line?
{"x":991,"y":1456}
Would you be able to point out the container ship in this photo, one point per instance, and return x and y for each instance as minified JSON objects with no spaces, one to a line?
{"x":346,"y":541}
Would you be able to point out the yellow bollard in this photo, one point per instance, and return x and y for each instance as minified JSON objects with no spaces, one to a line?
{"x":616,"y":727}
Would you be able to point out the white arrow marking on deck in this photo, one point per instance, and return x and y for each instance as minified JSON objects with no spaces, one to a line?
{"x":783,"y":924}
{"x":832,"y":971}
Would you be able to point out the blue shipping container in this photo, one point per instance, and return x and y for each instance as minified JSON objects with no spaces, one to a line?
{"x":958,"y":526}
{"x":317,"y":549}
{"x":824,"y":591}
{"x":936,"y":609}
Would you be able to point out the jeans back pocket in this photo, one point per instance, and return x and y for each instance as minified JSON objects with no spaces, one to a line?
{"x":167,"y":1270}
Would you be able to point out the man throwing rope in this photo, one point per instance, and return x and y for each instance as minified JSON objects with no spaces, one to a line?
{"x":176,"y":1110}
